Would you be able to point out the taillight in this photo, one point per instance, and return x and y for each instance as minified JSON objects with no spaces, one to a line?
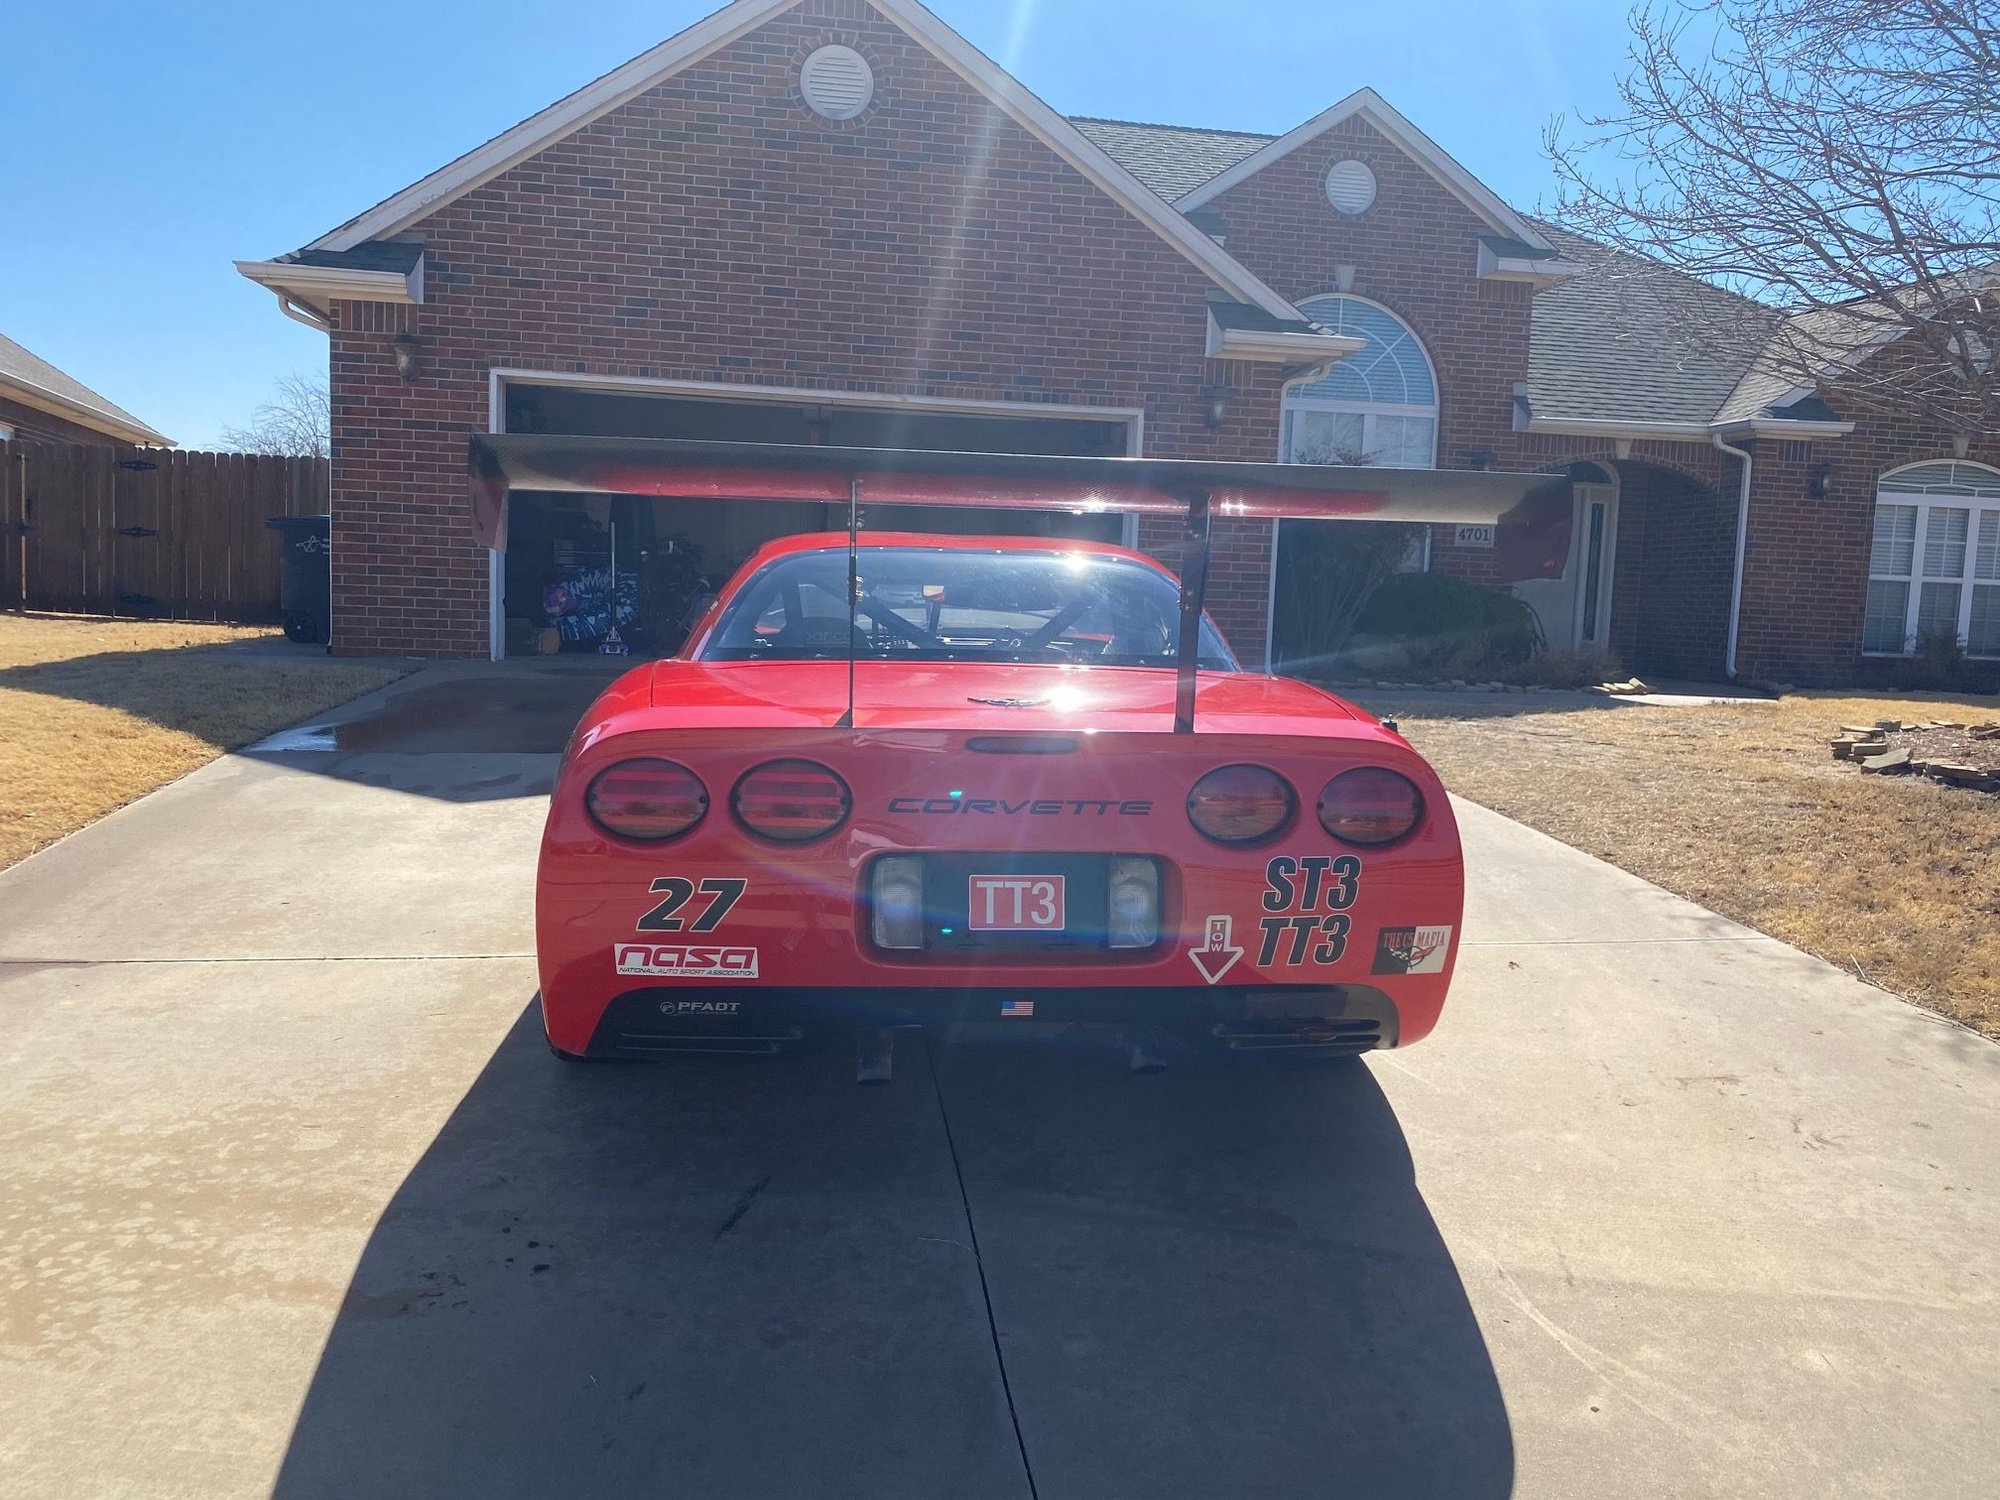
{"x":791,"y":801}
{"x":1241,"y":804}
{"x":1370,"y":806}
{"x":648,"y":800}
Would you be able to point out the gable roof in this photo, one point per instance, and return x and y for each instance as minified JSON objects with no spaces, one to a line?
{"x":1612,"y":343}
{"x":1172,"y":160}
{"x":704,"y":38}
{"x":1368,"y":105}
{"x":33,"y":381}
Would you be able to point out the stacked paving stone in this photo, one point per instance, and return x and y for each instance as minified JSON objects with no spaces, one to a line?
{"x":1924,"y":751}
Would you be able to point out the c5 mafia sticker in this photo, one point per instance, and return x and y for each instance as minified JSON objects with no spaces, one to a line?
{"x":1411,"y":950}
{"x":686,"y":961}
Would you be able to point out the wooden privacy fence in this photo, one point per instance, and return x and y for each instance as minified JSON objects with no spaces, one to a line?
{"x":147,"y":532}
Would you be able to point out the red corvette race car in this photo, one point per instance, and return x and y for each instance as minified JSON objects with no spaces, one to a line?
{"x":899,"y":779}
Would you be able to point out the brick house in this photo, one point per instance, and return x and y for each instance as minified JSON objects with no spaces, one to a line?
{"x":836,"y":221}
{"x":38,"y":401}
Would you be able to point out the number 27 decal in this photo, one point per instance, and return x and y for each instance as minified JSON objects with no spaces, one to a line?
{"x":722,"y":892}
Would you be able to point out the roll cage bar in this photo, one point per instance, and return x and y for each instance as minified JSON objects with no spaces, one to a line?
{"x":1194,"y":492}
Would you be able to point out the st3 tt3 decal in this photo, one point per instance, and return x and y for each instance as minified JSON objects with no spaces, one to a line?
{"x":1312,"y":882}
{"x":1323,"y":939}
{"x":720,"y":893}
{"x":1300,"y":889}
{"x":1411,"y":950}
{"x":686,"y":961}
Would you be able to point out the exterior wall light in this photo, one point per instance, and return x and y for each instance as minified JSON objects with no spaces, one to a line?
{"x":409,"y":355}
{"x":1821,"y":482}
{"x":1215,"y":407}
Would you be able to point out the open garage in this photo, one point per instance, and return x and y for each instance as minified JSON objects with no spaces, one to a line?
{"x":559,"y":588}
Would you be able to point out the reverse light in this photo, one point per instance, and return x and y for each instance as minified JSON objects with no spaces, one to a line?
{"x":1241,"y":804}
{"x":1132,"y":915}
{"x":1370,"y":806}
{"x":649,"y":800}
{"x":791,"y":801}
{"x":896,"y":902}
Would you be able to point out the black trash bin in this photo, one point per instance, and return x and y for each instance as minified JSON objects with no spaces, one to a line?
{"x":306,"y":586}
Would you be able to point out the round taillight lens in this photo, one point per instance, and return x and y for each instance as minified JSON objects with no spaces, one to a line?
{"x":1241,"y":804}
{"x":649,"y":800}
{"x":791,"y":801}
{"x":1370,"y":806}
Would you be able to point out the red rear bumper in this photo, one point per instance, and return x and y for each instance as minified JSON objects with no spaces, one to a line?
{"x":1301,"y":926}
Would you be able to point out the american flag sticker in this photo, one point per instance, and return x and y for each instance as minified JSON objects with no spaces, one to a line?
{"x":1017,"y":1007}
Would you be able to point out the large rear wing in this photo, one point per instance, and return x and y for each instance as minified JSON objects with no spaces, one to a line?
{"x":1191,"y":491}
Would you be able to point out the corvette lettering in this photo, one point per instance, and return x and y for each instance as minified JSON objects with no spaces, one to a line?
{"x":686,"y":961}
{"x":1030,"y":807}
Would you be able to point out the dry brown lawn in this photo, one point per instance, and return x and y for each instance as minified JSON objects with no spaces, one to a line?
{"x":1743,"y":809}
{"x":94,"y":713}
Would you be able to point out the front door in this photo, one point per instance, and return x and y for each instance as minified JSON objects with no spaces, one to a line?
{"x":1574,"y":608}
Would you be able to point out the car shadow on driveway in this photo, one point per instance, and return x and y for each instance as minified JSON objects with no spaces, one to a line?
{"x":729,"y":1278}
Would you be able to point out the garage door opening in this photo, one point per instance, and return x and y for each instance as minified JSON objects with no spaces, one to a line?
{"x":561,"y":591}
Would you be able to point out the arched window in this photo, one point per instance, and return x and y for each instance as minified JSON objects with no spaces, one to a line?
{"x":1375,"y":407}
{"x":1934,"y":565}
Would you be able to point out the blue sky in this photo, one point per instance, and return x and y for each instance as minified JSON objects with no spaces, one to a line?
{"x":150,"y":145}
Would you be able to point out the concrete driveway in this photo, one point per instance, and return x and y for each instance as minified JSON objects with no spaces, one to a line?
{"x":293,"y":1202}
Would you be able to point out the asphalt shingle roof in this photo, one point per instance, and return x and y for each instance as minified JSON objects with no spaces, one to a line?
{"x":1628,"y":339}
{"x":376,"y":255}
{"x":1823,"y":338}
{"x":20,"y":368}
{"x":1172,"y":160}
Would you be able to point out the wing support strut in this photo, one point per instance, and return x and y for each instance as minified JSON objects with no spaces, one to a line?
{"x":853,"y":589}
{"x":1194,"y":596}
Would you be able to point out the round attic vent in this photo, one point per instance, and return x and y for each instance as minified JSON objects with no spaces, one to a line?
{"x":837,"y":83}
{"x":1350,"y":186}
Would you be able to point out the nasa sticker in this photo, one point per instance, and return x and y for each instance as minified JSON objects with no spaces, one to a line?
{"x":686,"y":960}
{"x":1411,"y":950}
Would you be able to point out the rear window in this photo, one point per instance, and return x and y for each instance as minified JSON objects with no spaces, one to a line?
{"x":959,"y":604}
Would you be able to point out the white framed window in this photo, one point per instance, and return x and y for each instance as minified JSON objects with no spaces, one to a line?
{"x":1378,"y":406}
{"x":1934,"y":560}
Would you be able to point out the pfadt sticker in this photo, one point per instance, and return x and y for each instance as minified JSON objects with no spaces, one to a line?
{"x":1411,"y":950}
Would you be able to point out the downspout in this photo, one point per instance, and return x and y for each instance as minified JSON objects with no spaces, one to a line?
{"x":300,"y":314}
{"x":1742,"y":456}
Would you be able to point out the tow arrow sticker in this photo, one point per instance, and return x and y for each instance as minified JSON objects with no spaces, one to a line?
{"x":1217,"y":956}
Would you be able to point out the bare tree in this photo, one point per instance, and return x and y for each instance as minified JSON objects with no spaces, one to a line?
{"x":1835,"y":161}
{"x":297,"y":422}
